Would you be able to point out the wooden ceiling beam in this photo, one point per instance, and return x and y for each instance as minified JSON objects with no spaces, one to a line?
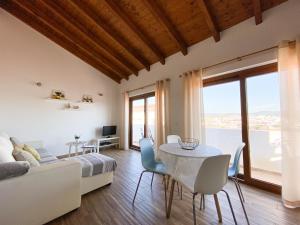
{"x":44,"y":28}
{"x":90,"y":35}
{"x":40,"y":10}
{"x":81,"y":5}
{"x":56,"y":19}
{"x":257,"y":11}
{"x":161,"y":16}
{"x":210,"y":21}
{"x":134,"y":28}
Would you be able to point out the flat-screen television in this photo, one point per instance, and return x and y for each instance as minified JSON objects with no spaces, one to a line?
{"x":109,"y":130}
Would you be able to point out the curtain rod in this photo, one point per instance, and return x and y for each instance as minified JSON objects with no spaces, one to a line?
{"x":240,"y":58}
{"x":148,"y":85}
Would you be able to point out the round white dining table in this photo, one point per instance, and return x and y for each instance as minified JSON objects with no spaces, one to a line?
{"x":183,"y":164}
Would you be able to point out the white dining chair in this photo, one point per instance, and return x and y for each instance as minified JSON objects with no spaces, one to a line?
{"x":173,"y":139}
{"x":210,"y":180}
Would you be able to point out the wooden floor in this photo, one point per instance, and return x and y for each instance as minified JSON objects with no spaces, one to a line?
{"x":111,"y":205}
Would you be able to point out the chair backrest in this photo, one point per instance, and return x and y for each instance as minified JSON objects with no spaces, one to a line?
{"x":173,"y":139}
{"x":212,"y":175}
{"x":147,"y":153}
{"x":237,"y":157}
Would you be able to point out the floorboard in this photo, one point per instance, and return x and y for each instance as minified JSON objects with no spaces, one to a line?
{"x":111,"y":205}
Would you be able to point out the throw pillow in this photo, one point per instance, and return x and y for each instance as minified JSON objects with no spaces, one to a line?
{"x":21,"y":155}
{"x":16,"y":142}
{"x":6,"y":149}
{"x":32,"y":151}
{"x":13,"y":169}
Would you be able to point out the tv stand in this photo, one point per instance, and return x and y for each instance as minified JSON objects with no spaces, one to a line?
{"x":106,"y":142}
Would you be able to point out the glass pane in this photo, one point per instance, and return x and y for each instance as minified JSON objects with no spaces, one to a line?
{"x":151,"y":117}
{"x":222,"y":113}
{"x":138,"y":121}
{"x":264,"y":127}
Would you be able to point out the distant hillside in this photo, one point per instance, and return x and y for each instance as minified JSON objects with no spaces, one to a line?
{"x":261,"y":113}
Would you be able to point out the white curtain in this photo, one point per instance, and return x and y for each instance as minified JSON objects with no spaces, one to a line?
{"x":125,"y":122}
{"x":289,"y":70}
{"x":193,"y":106}
{"x":162,"y":109}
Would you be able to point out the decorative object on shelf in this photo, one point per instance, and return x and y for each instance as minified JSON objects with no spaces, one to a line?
{"x":87,"y":99}
{"x":69,"y":106}
{"x":188,"y":143}
{"x":76,"y":137}
{"x":57,"y":94}
{"x":39,"y":84}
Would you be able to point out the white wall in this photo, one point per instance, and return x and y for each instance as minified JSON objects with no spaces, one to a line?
{"x":279,"y":23}
{"x":27,"y":57}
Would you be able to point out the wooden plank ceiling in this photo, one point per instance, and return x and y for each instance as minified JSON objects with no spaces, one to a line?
{"x":121,"y":37}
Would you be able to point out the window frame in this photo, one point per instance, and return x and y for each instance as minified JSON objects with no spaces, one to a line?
{"x":131,"y":99}
{"x":241,"y":76}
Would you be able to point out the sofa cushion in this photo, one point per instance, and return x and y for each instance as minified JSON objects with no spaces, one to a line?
{"x":32,"y":151}
{"x":21,"y":155}
{"x":6,"y":149}
{"x":16,"y":142}
{"x":13,"y":169}
{"x":46,"y":157}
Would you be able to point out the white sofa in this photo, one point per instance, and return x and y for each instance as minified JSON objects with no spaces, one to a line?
{"x":88,"y":184}
{"x":46,"y":192}
{"x":43,"y":194}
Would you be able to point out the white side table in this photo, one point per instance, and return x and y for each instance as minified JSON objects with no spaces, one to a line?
{"x":75,"y":144}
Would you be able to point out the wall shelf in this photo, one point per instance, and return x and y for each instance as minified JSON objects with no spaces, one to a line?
{"x":57,"y":100}
{"x":86,"y":103}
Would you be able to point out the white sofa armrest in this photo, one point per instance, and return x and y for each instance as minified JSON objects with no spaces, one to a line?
{"x":41,"y":195}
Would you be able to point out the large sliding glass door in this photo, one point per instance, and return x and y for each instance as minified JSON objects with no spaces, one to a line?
{"x":264,"y":127}
{"x":222,"y":112}
{"x":142,"y":118}
{"x":244,"y":107}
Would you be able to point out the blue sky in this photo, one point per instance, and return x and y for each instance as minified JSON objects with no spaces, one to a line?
{"x":262,"y":91}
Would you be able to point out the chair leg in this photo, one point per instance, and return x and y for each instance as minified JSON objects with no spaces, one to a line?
{"x":152,"y":180}
{"x":168,"y":181}
{"x":166,"y":200}
{"x":201,"y":199}
{"x":202,"y":202}
{"x":138,"y":186}
{"x":239,"y":186}
{"x":194,"y":210}
{"x":241,"y":200}
{"x":180,"y":192}
{"x":228,"y":198}
{"x":218,"y":207}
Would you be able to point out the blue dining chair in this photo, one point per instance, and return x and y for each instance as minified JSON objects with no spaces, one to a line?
{"x":150,"y":164}
{"x":233,"y":172}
